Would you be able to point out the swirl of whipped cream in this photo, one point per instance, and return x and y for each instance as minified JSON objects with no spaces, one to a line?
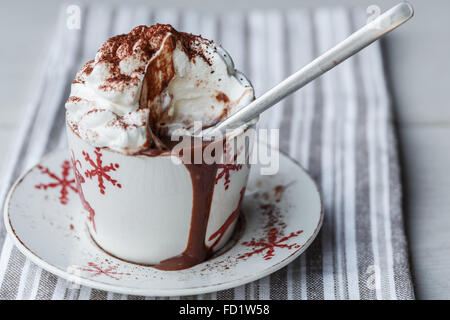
{"x":144,"y":84}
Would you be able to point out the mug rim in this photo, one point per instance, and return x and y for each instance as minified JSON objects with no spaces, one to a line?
{"x":165,"y":153}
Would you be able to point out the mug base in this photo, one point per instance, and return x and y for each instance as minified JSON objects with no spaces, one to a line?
{"x":238,"y":231}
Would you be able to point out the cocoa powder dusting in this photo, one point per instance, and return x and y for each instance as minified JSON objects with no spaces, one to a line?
{"x":141,"y":43}
{"x":279,"y":191}
{"x":222,"y":97}
{"x":153,"y":47}
{"x":73,"y":99}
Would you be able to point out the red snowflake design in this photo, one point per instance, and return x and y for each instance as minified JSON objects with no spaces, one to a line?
{"x":96,"y":270}
{"x":100,"y":170}
{"x":224,"y":169}
{"x":268,"y":245}
{"x":63,"y":182}
{"x":231,"y":218}
{"x":274,"y":228}
{"x":79,"y":180}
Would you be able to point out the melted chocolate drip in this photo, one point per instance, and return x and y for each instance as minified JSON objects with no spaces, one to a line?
{"x":203,"y":177}
{"x":231,"y":218}
{"x":203,"y":180}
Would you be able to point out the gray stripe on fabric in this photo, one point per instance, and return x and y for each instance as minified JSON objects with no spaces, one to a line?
{"x":71,"y":294}
{"x":381,"y":212}
{"x":341,"y":290}
{"x":76,"y":294}
{"x":279,"y":280}
{"x":340,"y":185}
{"x":344,"y":102}
{"x":207,"y":296}
{"x":98,"y":295}
{"x":402,"y":271}
{"x":225,"y":294}
{"x":387,"y":270}
{"x":29,"y":281}
{"x":10,"y":284}
{"x":325,"y":34}
{"x":363,"y":240}
{"x":302,"y":102}
{"x":342,"y":221}
{"x":314,"y":272}
{"x":398,"y":253}
{"x":47,"y":285}
{"x":286,"y":122}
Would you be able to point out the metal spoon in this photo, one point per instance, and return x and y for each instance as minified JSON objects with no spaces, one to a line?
{"x":372,"y":31}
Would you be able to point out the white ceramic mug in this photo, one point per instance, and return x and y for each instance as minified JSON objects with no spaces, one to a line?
{"x":139,"y":207}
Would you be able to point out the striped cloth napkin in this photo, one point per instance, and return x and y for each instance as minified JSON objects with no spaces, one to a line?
{"x":339,"y":128}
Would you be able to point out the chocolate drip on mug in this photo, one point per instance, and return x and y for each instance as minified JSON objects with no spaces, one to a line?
{"x":203,"y":177}
{"x":203,"y":180}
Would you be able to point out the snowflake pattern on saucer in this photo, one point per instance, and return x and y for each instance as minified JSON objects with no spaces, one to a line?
{"x":274,"y":230}
{"x":94,"y":270}
{"x":63,"y":182}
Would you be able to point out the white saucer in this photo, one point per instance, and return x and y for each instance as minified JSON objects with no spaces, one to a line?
{"x":47,"y":225}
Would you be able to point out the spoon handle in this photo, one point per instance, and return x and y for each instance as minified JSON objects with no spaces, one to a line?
{"x":357,"y":41}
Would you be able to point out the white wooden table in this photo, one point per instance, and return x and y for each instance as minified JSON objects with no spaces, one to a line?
{"x":418,"y":65}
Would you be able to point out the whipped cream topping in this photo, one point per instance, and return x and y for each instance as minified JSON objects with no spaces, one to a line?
{"x":143,"y":85}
